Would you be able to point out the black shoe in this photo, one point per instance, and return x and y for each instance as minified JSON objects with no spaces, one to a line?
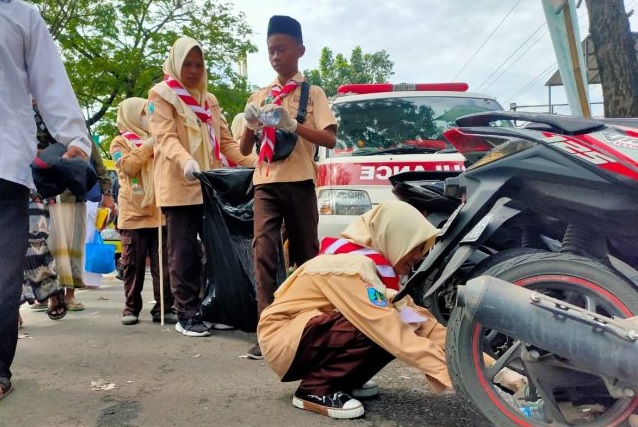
{"x":170,"y":318}
{"x":255,"y":353}
{"x":192,"y":327}
{"x":5,"y":387}
{"x":335,"y":405}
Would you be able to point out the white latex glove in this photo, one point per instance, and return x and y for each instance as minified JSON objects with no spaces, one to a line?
{"x":251,"y":114}
{"x":285,"y":122}
{"x":190,"y":169}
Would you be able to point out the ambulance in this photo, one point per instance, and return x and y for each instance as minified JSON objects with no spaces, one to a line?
{"x":385,"y":129}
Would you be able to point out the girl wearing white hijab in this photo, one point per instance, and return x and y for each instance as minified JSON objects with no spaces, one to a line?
{"x":138,"y":216}
{"x":333,"y":324}
{"x":190,"y":134}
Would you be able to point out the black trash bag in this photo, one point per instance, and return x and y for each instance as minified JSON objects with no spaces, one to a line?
{"x":230,"y":296}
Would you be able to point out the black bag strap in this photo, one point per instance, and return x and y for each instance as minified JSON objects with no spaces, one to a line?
{"x":303,"y":102}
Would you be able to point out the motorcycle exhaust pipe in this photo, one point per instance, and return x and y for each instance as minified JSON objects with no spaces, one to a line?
{"x":594,"y":342}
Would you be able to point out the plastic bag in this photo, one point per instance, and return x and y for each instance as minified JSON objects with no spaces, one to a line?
{"x":100,"y":257}
{"x":230,"y":296}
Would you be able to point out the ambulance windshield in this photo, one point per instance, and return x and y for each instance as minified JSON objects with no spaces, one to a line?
{"x":401,"y":125}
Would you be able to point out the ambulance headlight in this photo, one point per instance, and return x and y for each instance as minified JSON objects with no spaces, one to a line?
{"x":343,"y":202}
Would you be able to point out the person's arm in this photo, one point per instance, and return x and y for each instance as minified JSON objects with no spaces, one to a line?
{"x":230,"y":149}
{"x":324,"y":132}
{"x":50,"y":86}
{"x":247,"y":140}
{"x":130,"y":161}
{"x":163,"y":128}
{"x":103,"y":179}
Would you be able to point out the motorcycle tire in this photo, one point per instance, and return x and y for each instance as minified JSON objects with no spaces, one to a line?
{"x":553,"y":273}
{"x":440,"y":308}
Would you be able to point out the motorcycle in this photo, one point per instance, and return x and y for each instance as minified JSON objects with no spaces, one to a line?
{"x":535,"y":268}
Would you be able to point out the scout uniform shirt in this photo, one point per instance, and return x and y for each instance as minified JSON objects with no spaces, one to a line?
{"x":171,"y":152}
{"x":131,"y":214}
{"x":349,"y":284}
{"x":299,"y":165}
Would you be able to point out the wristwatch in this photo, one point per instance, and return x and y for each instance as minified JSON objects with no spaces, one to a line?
{"x":107,"y":192}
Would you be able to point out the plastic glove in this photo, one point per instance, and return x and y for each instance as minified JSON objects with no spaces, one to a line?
{"x":149,"y":141}
{"x":285,"y":122}
{"x":251,"y":114}
{"x":190,"y":169}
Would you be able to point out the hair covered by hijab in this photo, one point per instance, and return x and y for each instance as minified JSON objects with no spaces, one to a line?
{"x":173,"y":64}
{"x":392,"y":228}
{"x":129,"y":114}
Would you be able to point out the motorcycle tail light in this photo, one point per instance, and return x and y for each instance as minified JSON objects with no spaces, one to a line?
{"x":467,"y":143}
{"x":503,"y":150}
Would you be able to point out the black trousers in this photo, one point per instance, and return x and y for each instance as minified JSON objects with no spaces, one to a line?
{"x":137,"y":245}
{"x":334,"y":356}
{"x":183,"y":224}
{"x":14,"y":232}
{"x":296,"y":204}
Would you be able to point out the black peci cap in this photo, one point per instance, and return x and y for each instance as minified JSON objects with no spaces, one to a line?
{"x":280,"y":24}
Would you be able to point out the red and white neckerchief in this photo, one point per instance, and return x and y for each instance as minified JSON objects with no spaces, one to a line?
{"x":275,"y":95}
{"x":332,"y":245}
{"x":202,"y":113}
{"x":133,"y":138}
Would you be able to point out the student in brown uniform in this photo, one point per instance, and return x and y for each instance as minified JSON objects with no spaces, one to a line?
{"x":190,"y":135}
{"x":285,"y":189}
{"x":333,"y":326}
{"x":139,"y":218}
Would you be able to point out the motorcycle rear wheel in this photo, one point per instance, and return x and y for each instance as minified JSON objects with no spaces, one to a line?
{"x":575,"y":279}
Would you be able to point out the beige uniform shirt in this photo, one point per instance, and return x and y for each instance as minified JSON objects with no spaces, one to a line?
{"x":171,"y":152}
{"x":348,"y":283}
{"x":300,"y":165}
{"x":131,"y":214}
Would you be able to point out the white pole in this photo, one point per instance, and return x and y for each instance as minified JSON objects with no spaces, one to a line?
{"x":161,"y":266}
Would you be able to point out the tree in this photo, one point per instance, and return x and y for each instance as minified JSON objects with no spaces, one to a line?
{"x":114,"y":50}
{"x":334,"y":71}
{"x":615,"y":55}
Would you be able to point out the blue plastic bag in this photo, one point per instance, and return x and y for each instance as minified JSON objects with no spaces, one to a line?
{"x":100,"y":257}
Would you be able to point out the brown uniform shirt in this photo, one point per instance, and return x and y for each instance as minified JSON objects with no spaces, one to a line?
{"x":131,"y":214}
{"x":300,"y":165}
{"x":171,"y":152}
{"x":349,"y":283}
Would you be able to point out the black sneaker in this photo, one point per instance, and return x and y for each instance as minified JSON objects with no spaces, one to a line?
{"x":192,"y":327}
{"x":170,"y":318}
{"x":335,"y":405}
{"x":255,"y":353}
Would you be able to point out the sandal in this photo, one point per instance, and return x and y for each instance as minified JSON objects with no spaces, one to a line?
{"x":57,"y":309}
{"x":5,"y":387}
{"x":39,"y":306}
{"x":74,"y":306}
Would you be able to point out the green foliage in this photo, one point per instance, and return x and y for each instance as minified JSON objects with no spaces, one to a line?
{"x":115,"y":49}
{"x":336,"y":70}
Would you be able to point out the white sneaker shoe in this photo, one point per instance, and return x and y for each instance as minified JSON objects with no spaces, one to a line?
{"x":368,"y":389}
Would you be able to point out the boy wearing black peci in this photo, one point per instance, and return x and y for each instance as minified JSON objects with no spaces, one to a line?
{"x":285,"y":188}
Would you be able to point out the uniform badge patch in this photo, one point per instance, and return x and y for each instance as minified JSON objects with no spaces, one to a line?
{"x":376,"y":297}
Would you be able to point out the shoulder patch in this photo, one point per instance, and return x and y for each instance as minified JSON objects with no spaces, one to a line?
{"x":376,"y":297}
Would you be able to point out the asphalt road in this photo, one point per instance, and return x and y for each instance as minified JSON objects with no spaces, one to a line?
{"x":87,"y":370}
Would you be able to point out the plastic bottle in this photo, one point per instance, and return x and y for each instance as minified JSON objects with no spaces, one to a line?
{"x":270,"y":117}
{"x":136,"y":187}
{"x":531,"y":410}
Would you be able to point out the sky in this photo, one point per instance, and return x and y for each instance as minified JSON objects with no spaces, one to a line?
{"x":499,"y":47}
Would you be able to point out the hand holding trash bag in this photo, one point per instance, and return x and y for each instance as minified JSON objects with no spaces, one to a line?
{"x":190,"y":169}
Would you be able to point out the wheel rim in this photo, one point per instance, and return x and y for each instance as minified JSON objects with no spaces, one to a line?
{"x":577,"y":291}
